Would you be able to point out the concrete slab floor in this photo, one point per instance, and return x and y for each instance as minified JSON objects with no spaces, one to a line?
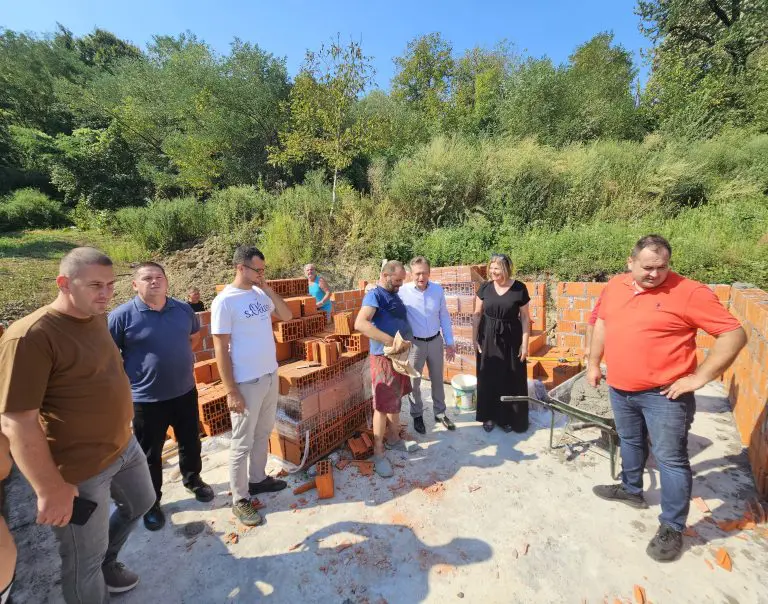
{"x":471,"y":516}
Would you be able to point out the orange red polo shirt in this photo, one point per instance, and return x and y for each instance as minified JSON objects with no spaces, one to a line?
{"x":650,"y":336}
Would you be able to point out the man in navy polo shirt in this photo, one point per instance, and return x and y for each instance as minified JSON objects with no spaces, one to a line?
{"x":155,"y":334}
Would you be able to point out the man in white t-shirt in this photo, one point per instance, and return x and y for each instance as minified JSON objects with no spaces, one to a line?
{"x":241,"y":326}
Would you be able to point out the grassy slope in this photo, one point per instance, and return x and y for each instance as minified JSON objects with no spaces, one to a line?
{"x":29,"y":264}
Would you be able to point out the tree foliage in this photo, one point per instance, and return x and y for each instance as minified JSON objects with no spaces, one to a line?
{"x":324,"y":126}
{"x":707,"y":64}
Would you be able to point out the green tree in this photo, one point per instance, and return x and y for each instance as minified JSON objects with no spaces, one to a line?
{"x":705,"y":62}
{"x":423,"y":79}
{"x":196,"y":120}
{"x":600,"y":103}
{"x":587,"y":99}
{"x":98,"y":169}
{"x":477,"y":86}
{"x":324,"y":126}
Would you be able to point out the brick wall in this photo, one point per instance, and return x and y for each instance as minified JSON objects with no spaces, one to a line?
{"x":204,"y":349}
{"x":575,"y":301}
{"x":747,"y":380}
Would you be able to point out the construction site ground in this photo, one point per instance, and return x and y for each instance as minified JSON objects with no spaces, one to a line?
{"x":471,"y":516}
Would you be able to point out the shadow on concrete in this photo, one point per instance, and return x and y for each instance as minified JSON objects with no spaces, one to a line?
{"x":345,"y":562}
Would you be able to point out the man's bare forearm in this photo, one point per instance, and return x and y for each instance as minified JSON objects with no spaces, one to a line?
{"x":30,"y":450}
{"x":374,"y":333}
{"x":597,"y":345}
{"x":723,"y":353}
{"x":224,"y":362}
{"x":281,"y":308}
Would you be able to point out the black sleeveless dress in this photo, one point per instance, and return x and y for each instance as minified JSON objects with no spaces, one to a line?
{"x":500,"y":372}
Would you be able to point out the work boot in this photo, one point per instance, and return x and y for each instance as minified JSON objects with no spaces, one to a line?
{"x":666,"y":544}
{"x":616,"y":492}
{"x":246,"y":513}
{"x":154,"y":519}
{"x":418,"y":425}
{"x":268,"y":485}
{"x":118,"y":578}
{"x":199,"y":489}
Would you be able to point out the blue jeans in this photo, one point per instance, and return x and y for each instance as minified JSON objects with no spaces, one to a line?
{"x":648,"y":412}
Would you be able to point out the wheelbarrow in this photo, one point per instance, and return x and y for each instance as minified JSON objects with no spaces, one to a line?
{"x":558,"y":401}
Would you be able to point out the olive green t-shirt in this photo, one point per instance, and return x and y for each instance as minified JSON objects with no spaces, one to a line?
{"x":71,"y":370}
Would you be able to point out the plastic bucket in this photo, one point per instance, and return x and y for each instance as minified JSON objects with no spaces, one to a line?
{"x":464,"y":387}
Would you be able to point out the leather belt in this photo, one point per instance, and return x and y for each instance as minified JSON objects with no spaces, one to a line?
{"x":427,"y":339}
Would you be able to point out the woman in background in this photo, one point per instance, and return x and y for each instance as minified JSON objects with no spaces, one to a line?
{"x":318,"y":288}
{"x":501,"y":327}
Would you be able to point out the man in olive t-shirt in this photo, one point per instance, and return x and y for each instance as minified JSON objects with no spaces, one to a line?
{"x":66,"y":409}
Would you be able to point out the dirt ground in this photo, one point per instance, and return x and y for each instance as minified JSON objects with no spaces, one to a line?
{"x":471,"y":516}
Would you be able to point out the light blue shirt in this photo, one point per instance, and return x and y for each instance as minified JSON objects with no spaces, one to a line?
{"x":427,"y":312}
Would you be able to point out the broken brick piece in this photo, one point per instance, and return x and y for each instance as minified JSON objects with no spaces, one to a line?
{"x":701,"y":504}
{"x":324,"y":479}
{"x":639,"y":593}
{"x":723,"y":559}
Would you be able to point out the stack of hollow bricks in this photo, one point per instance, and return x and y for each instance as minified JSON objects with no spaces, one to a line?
{"x":214,"y":415}
{"x":325,"y":388}
{"x":460,"y":284}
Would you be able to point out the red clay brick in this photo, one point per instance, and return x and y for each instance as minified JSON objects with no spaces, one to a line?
{"x":204,"y":317}
{"x":294,"y":304}
{"x":202,"y":372}
{"x":573,"y":288}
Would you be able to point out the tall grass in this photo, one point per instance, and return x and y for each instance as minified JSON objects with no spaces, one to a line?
{"x":572,"y":212}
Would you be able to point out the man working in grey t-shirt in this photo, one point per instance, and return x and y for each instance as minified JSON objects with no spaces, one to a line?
{"x":241,"y":325}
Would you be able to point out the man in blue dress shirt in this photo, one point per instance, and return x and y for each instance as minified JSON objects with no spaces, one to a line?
{"x":431,"y":325}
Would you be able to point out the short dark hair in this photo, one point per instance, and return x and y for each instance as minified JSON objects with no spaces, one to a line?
{"x":652,"y":242}
{"x":149,"y":265}
{"x":80,"y":257}
{"x":391,"y":267}
{"x":244,"y":253}
{"x":419,"y":260}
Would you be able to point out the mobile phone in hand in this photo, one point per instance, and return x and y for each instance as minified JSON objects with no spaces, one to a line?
{"x":82,"y":510}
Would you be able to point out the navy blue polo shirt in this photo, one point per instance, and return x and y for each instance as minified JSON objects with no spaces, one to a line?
{"x":157,"y":355}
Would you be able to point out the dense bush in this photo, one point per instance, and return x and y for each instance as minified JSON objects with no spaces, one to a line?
{"x":165,"y":225}
{"x":31,"y":209}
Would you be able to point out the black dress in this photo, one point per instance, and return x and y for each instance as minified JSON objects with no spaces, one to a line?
{"x":500,"y":372}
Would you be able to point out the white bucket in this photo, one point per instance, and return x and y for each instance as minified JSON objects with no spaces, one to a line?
{"x":464,"y":387}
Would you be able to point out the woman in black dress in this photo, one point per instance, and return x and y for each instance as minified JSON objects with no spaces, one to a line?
{"x":501,"y":328}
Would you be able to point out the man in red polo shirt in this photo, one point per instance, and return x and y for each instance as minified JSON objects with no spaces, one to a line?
{"x":646,"y":326}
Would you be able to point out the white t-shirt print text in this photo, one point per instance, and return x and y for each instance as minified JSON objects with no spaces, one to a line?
{"x":245,"y":315}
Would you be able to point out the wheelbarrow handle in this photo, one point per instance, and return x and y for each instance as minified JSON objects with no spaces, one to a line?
{"x":514,"y":399}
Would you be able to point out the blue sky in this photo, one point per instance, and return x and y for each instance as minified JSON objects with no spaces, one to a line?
{"x":287,"y":28}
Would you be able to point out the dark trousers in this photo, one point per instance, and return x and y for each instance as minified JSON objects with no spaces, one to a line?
{"x":150,"y":424}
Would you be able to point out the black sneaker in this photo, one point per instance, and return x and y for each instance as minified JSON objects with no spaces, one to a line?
{"x":666,"y":544}
{"x":616,"y":492}
{"x":154,"y":519}
{"x":199,"y":489}
{"x":445,"y":420}
{"x":268,"y":485}
{"x":418,"y":425}
{"x":246,"y":513}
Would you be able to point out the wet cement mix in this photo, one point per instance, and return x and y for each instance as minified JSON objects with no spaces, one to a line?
{"x":592,"y":400}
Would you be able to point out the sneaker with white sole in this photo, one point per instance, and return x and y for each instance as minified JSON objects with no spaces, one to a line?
{"x":118,"y":578}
